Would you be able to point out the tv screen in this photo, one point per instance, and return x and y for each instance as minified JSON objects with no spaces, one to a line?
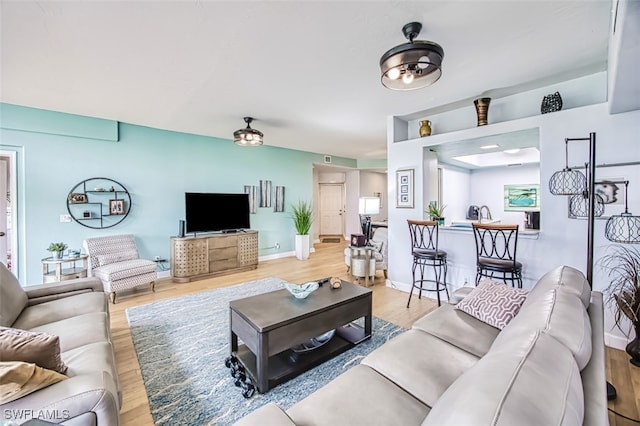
{"x":216,"y":212}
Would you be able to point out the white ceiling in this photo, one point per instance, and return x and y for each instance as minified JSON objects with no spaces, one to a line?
{"x":306,"y":70}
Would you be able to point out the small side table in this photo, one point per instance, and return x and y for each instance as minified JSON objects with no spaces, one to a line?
{"x":356,"y":257}
{"x":53,"y":270}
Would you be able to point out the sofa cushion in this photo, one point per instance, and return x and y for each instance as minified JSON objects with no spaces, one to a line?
{"x":420,"y":363}
{"x":13,"y":299}
{"x":561,"y":315}
{"x":116,"y":271}
{"x":493,"y":302}
{"x":458,"y":328}
{"x":355,"y":398}
{"x":90,"y":358}
{"x":79,"y":331}
{"x":121,"y":256}
{"x":565,"y":278}
{"x":59,"y":309}
{"x":38,"y":348}
{"x":532,"y":380}
{"x":18,"y":379}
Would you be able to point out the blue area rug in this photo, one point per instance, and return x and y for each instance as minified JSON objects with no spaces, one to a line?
{"x":182,"y":343}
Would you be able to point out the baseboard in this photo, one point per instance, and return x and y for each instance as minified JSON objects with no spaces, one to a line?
{"x":281,"y":255}
{"x":614,"y":341}
{"x":164,"y":274}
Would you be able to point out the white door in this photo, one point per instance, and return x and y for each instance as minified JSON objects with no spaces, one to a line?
{"x":331,"y":209}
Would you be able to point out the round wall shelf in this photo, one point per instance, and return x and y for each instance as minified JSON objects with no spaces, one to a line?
{"x":99,"y":203}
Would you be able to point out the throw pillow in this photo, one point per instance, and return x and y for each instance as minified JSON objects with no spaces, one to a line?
{"x":18,"y":379}
{"x":494,"y":303}
{"x":39,"y":348}
{"x":107,"y":259}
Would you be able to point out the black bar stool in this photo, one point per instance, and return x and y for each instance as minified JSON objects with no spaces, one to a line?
{"x":424,"y":248}
{"x":496,"y":252}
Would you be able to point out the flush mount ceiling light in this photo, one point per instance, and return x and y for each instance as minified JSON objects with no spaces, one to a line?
{"x":412,"y":65}
{"x":248,"y":136}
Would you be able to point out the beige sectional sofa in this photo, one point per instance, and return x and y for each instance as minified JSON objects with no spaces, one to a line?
{"x":545,"y":367}
{"x":77,"y":312}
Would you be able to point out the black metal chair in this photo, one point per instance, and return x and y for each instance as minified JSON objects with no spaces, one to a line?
{"x":496,"y":252}
{"x":426,"y":254}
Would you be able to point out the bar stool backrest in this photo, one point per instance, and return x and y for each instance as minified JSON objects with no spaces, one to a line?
{"x":496,"y":241}
{"x":424,"y":234}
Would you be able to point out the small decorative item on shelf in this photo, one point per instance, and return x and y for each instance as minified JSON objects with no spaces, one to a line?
{"x":482,"y":110}
{"x":86,"y":214}
{"x":301,"y":291}
{"x":425,"y":128}
{"x":436,"y":213}
{"x":57,"y":249}
{"x":551,"y":103}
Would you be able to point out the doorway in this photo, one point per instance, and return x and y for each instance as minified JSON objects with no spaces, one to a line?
{"x":331,"y":209}
{"x":8,"y":251}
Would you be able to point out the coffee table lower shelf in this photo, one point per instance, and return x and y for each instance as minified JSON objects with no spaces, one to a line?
{"x":289,"y":364}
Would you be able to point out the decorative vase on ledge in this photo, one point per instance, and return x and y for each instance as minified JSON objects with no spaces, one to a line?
{"x":482,"y":110}
{"x":425,"y":128}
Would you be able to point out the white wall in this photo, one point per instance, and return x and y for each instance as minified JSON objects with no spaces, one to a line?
{"x":456,"y":188}
{"x":487,"y":188}
{"x":372,"y":183}
{"x":562,"y":241}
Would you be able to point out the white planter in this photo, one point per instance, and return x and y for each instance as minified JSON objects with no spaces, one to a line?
{"x":302,"y":247}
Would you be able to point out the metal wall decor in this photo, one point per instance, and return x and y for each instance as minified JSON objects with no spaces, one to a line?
{"x":265,"y":193}
{"x":99,"y":203}
{"x":279,"y":202}
{"x":252,"y":191}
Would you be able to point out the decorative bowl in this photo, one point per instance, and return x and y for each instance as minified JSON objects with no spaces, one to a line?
{"x":314,"y":343}
{"x":301,"y":291}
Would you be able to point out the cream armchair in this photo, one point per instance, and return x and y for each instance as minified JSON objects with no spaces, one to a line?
{"x":378,"y":261}
{"x":115,"y":261}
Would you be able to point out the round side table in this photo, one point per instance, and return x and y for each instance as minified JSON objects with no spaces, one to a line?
{"x":56,"y":270}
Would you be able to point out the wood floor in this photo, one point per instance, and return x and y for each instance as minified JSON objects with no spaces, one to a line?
{"x":388,"y":304}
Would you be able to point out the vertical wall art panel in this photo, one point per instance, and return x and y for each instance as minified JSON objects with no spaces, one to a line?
{"x":279,"y":204}
{"x":252,"y":190}
{"x":265,"y":193}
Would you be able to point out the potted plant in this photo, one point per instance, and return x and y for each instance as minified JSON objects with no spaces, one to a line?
{"x":436,"y":213}
{"x":57,"y":249}
{"x":302,"y":219}
{"x":622,"y":264}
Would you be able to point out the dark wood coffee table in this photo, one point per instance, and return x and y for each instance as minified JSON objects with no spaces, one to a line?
{"x":270,"y":324}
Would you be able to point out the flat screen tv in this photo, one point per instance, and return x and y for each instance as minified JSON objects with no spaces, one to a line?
{"x":208,"y":212}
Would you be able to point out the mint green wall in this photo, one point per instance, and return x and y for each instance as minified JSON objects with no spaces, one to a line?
{"x":156,"y":166}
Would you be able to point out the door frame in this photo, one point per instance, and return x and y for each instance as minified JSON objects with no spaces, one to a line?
{"x":13,"y":190}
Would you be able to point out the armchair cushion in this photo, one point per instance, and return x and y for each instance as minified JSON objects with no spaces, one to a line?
{"x":38,"y":348}
{"x":105,"y":259}
{"x":120,"y":270}
{"x":22,"y":378}
{"x":13,"y":298}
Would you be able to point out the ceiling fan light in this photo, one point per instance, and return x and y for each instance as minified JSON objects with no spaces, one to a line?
{"x":248,"y":136}
{"x":393,"y":73}
{"x":420,"y":59}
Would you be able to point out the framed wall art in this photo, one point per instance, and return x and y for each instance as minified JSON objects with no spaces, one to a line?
{"x":116,"y":207}
{"x":521,"y":198}
{"x":404,"y":188}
